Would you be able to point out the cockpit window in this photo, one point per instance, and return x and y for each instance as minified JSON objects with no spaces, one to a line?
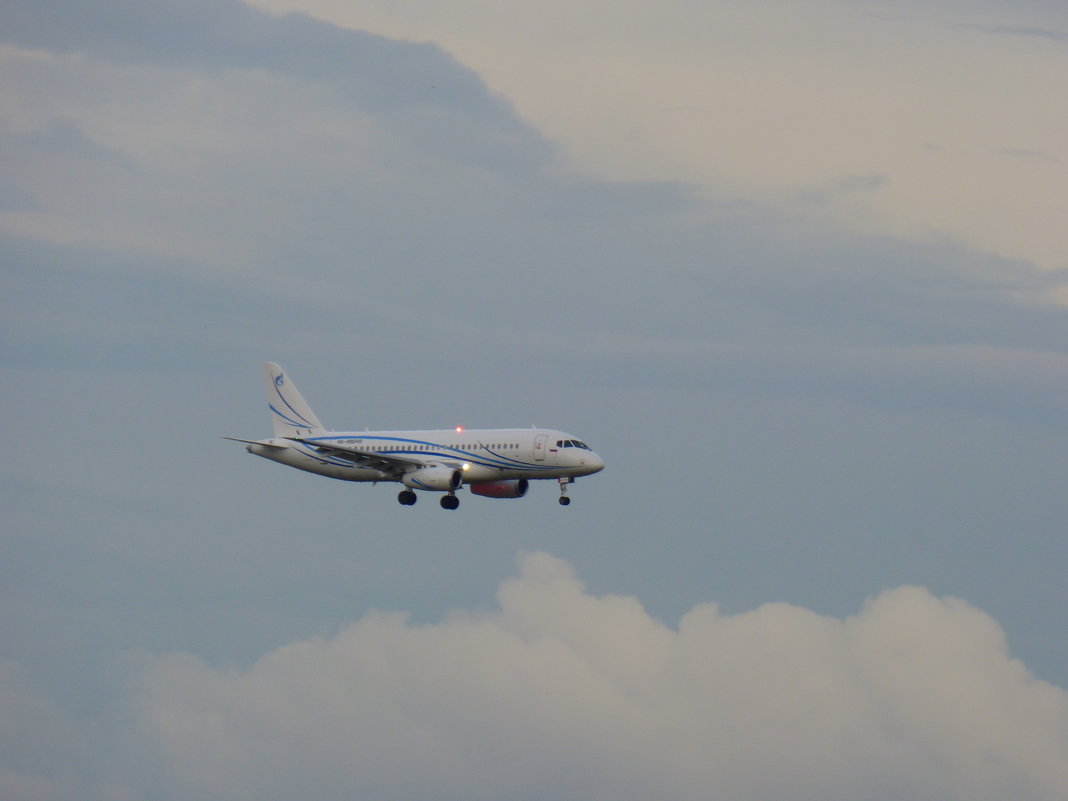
{"x":572,"y":443}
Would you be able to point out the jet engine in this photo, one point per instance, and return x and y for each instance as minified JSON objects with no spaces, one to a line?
{"x":514,"y":488}
{"x":433,"y":477}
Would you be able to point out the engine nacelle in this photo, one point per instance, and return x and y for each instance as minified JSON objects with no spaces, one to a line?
{"x":433,"y":477}
{"x":513,"y":488}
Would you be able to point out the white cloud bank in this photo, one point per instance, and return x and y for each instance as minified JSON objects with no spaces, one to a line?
{"x":933,"y":120}
{"x":560,"y":694}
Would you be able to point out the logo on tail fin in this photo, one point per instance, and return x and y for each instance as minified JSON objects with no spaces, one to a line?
{"x":289,"y":411}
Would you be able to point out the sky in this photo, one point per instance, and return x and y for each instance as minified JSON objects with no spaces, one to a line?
{"x":796,"y":270}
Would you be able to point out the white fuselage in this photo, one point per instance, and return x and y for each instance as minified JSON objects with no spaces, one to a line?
{"x":482,"y":455}
{"x":493,"y":462}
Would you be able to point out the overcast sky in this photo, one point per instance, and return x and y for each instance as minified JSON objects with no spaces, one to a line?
{"x":796,"y":270}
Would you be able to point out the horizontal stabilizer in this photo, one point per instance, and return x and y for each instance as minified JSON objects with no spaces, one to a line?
{"x":255,"y":442}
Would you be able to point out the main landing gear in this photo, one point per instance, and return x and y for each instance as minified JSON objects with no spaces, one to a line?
{"x":408,"y":498}
{"x":450,"y":501}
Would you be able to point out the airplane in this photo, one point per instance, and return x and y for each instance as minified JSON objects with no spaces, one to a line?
{"x":492,"y":462}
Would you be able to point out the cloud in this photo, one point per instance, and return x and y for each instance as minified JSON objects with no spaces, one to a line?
{"x":43,"y":753}
{"x":300,"y":170}
{"x":769,"y":101}
{"x":561,"y":694}
{"x":1060,"y":37}
{"x":191,"y":187}
{"x":222,"y":35}
{"x":176,"y":130}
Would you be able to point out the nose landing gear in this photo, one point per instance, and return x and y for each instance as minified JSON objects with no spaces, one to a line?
{"x":564,"y":499}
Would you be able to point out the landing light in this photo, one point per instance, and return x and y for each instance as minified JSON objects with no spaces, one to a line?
{"x":465,"y":466}
{"x":459,"y":429}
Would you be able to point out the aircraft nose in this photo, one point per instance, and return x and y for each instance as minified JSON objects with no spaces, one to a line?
{"x":594,"y":462}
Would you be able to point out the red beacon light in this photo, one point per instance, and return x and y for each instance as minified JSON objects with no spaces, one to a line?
{"x":459,"y":429}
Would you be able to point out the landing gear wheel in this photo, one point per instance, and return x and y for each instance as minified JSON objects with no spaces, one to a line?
{"x":563,"y":482}
{"x":406,"y":498}
{"x":450,"y":502}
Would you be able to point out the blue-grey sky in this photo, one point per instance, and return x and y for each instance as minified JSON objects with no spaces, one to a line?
{"x":796,"y":272}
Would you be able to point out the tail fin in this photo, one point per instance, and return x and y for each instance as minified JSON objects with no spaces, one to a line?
{"x":290,"y":414}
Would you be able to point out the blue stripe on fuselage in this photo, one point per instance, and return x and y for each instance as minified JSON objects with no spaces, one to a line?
{"x":499,"y":462}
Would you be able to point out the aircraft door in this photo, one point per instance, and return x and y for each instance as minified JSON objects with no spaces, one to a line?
{"x":539,"y":448}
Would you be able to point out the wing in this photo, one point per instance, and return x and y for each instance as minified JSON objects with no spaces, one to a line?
{"x":361,"y":458}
